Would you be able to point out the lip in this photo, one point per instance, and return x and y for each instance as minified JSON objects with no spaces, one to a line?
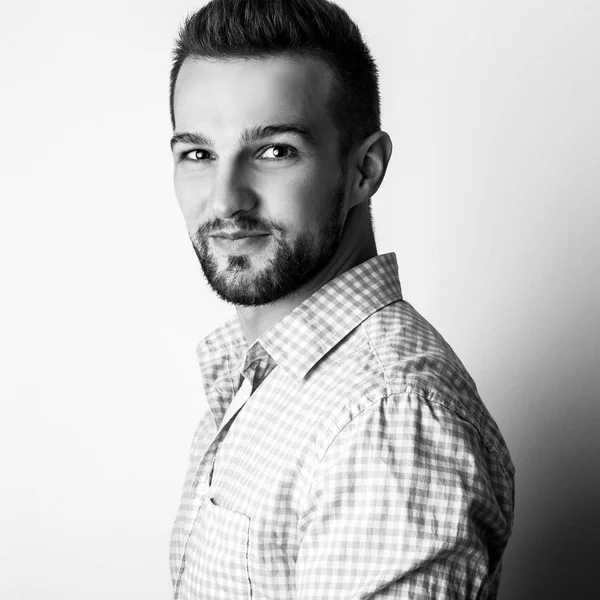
{"x":237,"y":235}
{"x":239,"y":242}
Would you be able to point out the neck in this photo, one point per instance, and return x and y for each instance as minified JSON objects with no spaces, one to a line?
{"x":357,"y":245}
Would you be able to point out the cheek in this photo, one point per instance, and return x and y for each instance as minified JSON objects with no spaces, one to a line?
{"x":298,"y":202}
{"x":189,"y":196}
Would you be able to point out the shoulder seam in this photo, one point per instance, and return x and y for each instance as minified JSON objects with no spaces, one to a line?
{"x":374,"y":351}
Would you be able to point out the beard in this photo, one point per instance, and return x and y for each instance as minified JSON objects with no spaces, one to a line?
{"x":293,"y":263}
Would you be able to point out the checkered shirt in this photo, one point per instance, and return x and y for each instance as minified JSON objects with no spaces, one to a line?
{"x":362,"y":465}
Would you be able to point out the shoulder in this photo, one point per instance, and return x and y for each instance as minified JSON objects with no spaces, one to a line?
{"x":401,"y":378}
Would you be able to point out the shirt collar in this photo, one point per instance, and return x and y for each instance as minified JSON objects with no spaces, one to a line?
{"x":298,"y":341}
{"x":313,"y":328}
{"x":219,"y":355}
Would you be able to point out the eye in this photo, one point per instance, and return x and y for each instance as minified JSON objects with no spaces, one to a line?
{"x":277,"y":152}
{"x":196,"y":155}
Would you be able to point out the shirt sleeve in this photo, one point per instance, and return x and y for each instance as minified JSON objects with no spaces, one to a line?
{"x":406,"y":502}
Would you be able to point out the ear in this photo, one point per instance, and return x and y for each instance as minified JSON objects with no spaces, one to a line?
{"x":369,"y":166}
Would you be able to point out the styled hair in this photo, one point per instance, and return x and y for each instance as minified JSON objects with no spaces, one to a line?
{"x":234,"y":29}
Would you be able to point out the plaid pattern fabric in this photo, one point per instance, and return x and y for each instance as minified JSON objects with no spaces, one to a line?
{"x":363,"y":464}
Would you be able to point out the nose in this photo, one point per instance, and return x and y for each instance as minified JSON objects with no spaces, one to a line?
{"x":231,"y":192}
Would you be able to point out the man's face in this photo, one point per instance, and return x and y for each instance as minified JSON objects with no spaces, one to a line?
{"x":258,"y":173}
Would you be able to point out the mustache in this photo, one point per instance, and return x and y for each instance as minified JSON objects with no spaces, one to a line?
{"x":244,"y":222}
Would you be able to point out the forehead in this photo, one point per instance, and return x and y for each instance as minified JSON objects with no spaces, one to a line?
{"x":225,"y":95}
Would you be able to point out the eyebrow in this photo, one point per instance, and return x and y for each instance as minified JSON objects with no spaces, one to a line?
{"x":254,"y":134}
{"x":188,"y":137}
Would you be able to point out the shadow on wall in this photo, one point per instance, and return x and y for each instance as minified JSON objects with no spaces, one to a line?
{"x":554,"y":552}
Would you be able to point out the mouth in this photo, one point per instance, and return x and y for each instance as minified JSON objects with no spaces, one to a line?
{"x":242,"y":241}
{"x":238,"y":235}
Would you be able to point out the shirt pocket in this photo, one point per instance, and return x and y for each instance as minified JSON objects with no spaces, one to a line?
{"x":223,"y":553}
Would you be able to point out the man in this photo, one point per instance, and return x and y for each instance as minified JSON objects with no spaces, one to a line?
{"x":346,"y":452}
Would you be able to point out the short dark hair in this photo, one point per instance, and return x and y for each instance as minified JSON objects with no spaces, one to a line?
{"x":230,"y":29}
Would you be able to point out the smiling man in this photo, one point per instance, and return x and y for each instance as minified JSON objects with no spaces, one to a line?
{"x":280,"y":149}
{"x":345,"y":452}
